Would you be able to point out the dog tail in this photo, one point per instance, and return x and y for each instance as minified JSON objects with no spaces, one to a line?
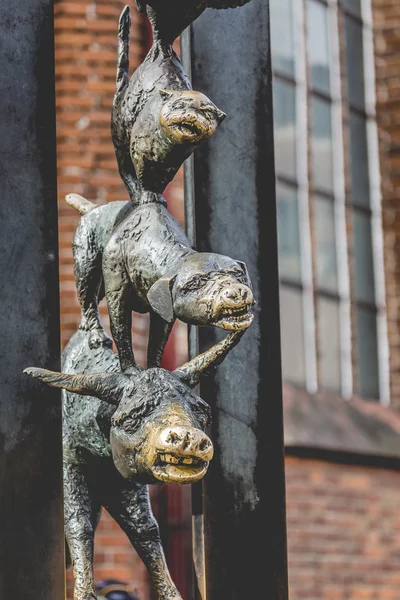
{"x":80,"y":203}
{"x":123,"y":49}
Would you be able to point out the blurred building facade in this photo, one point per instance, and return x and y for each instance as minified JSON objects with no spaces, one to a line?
{"x":337,"y":115}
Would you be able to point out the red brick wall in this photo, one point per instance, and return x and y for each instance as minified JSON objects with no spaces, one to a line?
{"x":387,"y":63}
{"x":344,"y":531}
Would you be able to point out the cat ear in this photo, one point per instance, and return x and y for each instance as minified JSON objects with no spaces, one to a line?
{"x":220,"y":117}
{"x":242,"y":265}
{"x":160,"y":298}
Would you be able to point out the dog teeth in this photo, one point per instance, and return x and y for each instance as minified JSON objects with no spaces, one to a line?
{"x":187,"y":461}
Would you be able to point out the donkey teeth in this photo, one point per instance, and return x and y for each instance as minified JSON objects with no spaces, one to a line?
{"x":169,"y":458}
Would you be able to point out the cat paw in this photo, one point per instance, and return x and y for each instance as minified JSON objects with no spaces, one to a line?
{"x":99,"y":338}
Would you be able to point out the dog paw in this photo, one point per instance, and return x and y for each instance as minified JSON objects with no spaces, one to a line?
{"x":99,"y":338}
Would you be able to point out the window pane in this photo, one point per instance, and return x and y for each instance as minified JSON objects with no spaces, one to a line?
{"x":292,"y":333}
{"x":325,"y":244}
{"x":288,"y":232}
{"x":368,"y":353}
{"x":282,"y":35}
{"x":284,"y":124}
{"x":359,"y":160}
{"x":322,"y":144}
{"x":329,"y":345}
{"x":353,"y":6}
{"x":364,"y":266}
{"x":355,"y":63}
{"x":318,"y":46}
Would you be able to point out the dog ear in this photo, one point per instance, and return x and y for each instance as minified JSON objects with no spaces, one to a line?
{"x":242,"y":265}
{"x":160,"y":298}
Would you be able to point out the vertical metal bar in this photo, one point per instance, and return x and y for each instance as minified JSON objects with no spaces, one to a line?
{"x":31,"y":540}
{"x":199,"y":591}
{"x":234,"y":182}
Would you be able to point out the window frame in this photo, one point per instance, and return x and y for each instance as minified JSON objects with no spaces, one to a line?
{"x":340,"y":197}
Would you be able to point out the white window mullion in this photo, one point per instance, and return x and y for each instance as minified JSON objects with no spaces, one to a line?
{"x":303,"y":192}
{"x":340,"y":206}
{"x":376,"y":202}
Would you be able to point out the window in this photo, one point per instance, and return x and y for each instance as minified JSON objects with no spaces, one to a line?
{"x":328,"y":198}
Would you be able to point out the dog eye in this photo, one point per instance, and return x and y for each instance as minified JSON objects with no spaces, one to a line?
{"x":194,"y":284}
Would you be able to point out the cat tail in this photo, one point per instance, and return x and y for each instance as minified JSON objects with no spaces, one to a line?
{"x":123,"y":49}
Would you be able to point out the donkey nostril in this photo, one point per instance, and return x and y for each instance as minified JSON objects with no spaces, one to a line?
{"x":204,"y":445}
{"x":173,"y":438}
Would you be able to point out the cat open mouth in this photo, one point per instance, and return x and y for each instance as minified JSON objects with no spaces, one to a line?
{"x":190,"y":126}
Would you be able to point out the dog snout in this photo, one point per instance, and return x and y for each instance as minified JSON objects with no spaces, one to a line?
{"x":186,"y":441}
{"x":235,"y":295}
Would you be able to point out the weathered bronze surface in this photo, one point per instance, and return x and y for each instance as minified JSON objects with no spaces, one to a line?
{"x":147,"y":265}
{"x":157,"y":119}
{"x":121,"y":431}
{"x":125,"y":426}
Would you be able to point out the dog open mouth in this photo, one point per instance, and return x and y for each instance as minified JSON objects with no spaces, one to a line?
{"x":170,"y":468}
{"x":234,"y":319}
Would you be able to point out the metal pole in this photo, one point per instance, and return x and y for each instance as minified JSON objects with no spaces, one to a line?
{"x":235,"y":210}
{"x":31,"y":538}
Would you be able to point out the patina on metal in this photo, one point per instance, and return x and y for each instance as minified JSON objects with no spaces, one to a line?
{"x":142,"y":260}
{"x":120,"y":432}
{"x":125,"y":426}
{"x":157,"y":119}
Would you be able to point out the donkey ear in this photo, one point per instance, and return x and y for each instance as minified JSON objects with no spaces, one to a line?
{"x":166,"y":94}
{"x":106,"y":386}
{"x":160,"y":298}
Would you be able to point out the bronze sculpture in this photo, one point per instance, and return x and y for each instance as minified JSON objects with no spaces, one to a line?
{"x":125,"y":426}
{"x":157,"y":119}
{"x":121,"y":432}
{"x":142,"y":259}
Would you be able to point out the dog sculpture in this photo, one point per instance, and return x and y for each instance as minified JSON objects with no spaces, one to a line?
{"x":147,"y":265}
{"x":120,"y":432}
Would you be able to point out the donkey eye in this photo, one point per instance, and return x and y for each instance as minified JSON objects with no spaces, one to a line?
{"x":130,"y":425}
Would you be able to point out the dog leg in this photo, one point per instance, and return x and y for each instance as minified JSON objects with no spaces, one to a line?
{"x":88,"y":277}
{"x":120,"y":311}
{"x":158,"y":338}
